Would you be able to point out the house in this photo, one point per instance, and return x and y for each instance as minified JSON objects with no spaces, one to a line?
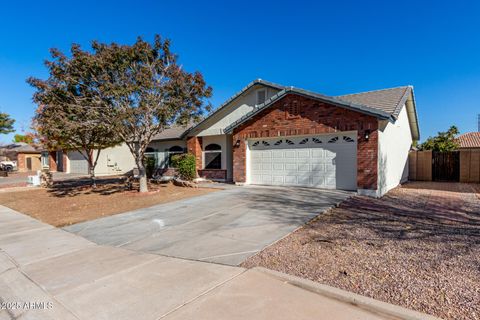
{"x":29,"y":157}
{"x":469,"y":141}
{"x":269,"y":134}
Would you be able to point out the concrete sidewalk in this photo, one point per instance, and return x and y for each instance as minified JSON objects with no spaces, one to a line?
{"x":63,"y":276}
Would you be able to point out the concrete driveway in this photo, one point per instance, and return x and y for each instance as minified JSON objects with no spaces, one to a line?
{"x":47,"y":273}
{"x":224,"y":227}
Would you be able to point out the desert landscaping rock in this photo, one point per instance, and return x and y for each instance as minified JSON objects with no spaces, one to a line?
{"x":418,"y":247}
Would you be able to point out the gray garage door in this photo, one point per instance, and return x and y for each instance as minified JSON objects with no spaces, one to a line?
{"x":77,"y":163}
{"x":320,"y":161}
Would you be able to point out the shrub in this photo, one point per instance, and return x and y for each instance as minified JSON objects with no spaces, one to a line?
{"x":185,"y":165}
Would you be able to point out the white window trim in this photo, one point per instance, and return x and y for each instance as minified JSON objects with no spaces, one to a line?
{"x":212,"y":151}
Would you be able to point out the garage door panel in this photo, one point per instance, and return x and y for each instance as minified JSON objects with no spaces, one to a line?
{"x":303,"y":167}
{"x":278,"y":166}
{"x":324,"y":161}
{"x":303,"y":154}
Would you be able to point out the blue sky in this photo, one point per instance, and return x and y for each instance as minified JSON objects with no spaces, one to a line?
{"x":332,"y":47}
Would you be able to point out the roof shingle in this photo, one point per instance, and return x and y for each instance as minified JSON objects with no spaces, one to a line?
{"x":388,"y":100}
{"x":469,"y":140}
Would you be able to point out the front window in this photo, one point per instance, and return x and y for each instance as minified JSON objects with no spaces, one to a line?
{"x":45,"y":159}
{"x":173,"y":151}
{"x":213,"y":156}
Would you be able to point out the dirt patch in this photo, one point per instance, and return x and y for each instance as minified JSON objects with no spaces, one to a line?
{"x":418,"y":247}
{"x":71,"y":202}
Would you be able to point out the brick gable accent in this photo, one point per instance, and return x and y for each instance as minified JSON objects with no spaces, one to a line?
{"x":297,"y":115}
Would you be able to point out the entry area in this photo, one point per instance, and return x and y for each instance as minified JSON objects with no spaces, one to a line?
{"x":320,"y":161}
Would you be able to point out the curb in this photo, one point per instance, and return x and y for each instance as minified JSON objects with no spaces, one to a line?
{"x":363,"y":302}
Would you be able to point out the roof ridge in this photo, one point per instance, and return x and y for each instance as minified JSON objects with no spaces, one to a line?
{"x":377,"y":90}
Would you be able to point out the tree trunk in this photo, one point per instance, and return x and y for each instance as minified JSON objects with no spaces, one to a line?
{"x":91,"y":172}
{"x":142,"y":178}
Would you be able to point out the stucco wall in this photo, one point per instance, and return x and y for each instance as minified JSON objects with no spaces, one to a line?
{"x":238,"y":108}
{"x":116,"y":160}
{"x":395,"y":141}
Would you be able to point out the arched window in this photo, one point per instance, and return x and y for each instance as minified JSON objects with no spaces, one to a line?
{"x":173,"y":151}
{"x":149,"y":149}
{"x":213,"y":156}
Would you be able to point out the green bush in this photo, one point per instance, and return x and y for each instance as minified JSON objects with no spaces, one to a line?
{"x":185,"y":165}
{"x":149,"y":165}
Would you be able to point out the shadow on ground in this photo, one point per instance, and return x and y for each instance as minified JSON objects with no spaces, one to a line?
{"x":437,"y":216}
{"x":74,"y":187}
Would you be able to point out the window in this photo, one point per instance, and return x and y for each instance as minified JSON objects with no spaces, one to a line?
{"x":261,"y":96}
{"x":333,"y":140}
{"x":213,"y":156}
{"x":304,"y":141}
{"x":173,"y":151}
{"x":45,"y":156}
{"x":348,"y":139}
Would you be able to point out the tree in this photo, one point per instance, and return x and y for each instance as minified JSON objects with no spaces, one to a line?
{"x":28,"y":138}
{"x":443,"y":141}
{"x":71,"y":115}
{"x":6,"y":123}
{"x":147,"y":91}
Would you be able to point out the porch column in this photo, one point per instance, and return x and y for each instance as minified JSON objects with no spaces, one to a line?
{"x":194,"y":146}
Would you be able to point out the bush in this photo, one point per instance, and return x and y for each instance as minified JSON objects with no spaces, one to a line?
{"x":185,"y":165}
{"x":150,"y":163}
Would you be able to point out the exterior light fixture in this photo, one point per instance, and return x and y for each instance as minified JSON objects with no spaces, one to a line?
{"x":237,"y":144}
{"x":367,"y":134}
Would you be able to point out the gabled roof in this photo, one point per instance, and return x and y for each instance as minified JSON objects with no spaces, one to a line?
{"x":173,"y":133}
{"x":388,"y":100}
{"x":235,"y":96}
{"x":376,"y":112}
{"x":469,"y":140}
{"x":383,"y":104}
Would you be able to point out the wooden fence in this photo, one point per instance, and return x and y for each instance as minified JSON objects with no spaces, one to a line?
{"x":470,"y":166}
{"x":421,"y":166}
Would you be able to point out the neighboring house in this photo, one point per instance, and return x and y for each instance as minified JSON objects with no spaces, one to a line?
{"x":115,"y":160}
{"x":32,"y":157}
{"x":470,"y":140}
{"x":268,"y":134}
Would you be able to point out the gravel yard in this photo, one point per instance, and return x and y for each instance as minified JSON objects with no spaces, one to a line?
{"x":418,"y":247}
{"x":74,"y":201}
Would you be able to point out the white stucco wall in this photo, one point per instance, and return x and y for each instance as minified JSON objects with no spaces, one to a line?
{"x":231,"y":113}
{"x":394,"y":143}
{"x":115,"y":160}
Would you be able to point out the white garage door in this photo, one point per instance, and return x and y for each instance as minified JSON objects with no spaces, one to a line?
{"x":320,"y":161}
{"x":77,"y":163}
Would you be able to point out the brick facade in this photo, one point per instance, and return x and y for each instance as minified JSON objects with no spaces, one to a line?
{"x":213,"y":174}
{"x":297,"y":115}
{"x":194,"y":146}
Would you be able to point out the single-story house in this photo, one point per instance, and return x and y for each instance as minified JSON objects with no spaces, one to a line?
{"x":30,"y":157}
{"x":469,"y":141}
{"x":269,"y":134}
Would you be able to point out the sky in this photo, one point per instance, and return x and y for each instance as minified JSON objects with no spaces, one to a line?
{"x":330,"y":47}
